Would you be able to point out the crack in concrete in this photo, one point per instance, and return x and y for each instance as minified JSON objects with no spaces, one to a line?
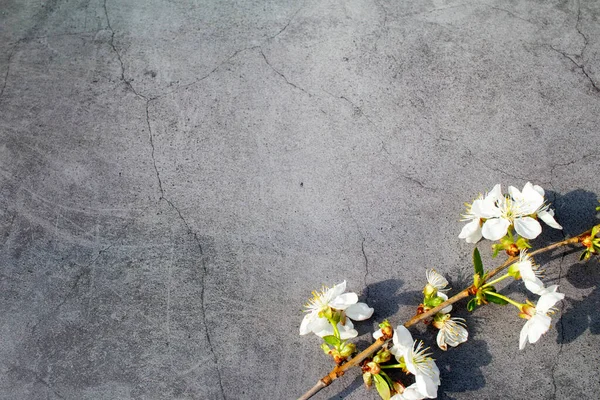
{"x":282,"y":75}
{"x":112,"y":45}
{"x":500,"y":170}
{"x":288,"y":23}
{"x":10,"y":56}
{"x":556,"y":165}
{"x":581,"y":55}
{"x":151,"y":137}
{"x":509,"y":13}
{"x":202,"y":294}
{"x":362,"y":248}
{"x":580,"y":66}
{"x":560,"y":321}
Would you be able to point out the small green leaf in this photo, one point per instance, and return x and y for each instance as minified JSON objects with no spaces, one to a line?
{"x":494,"y":299}
{"x":472,"y":304}
{"x":595,"y":230}
{"x":332,"y":340}
{"x":382,"y":387}
{"x":496,"y":248}
{"x":477,"y":262}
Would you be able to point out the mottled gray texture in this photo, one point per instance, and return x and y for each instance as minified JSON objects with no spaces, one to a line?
{"x":176,"y":177}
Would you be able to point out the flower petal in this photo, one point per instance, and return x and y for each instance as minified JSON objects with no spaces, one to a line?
{"x":448,"y":308}
{"x":548,"y":298}
{"x":534,"y":285}
{"x":495,"y":193}
{"x":426,"y":385}
{"x":523,"y":336}
{"x":347,"y":331}
{"x":304,"y":326}
{"x":343,"y":301}
{"x":441,"y":340}
{"x":515,"y":193}
{"x":359,"y":311}
{"x":471,"y":232}
{"x":402,"y":338}
{"x":377,"y":334}
{"x":528,"y":227}
{"x":336,"y":290}
{"x":412,"y":393}
{"x":494,"y":229}
{"x":320,"y":324}
{"x":488,"y":208}
{"x":532,"y":200}
{"x":538,"y":325}
{"x":539,"y":189}
{"x":548,"y":217}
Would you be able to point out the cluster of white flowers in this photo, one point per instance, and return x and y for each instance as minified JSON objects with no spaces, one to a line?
{"x":334,"y":298}
{"x":418,"y":362}
{"x":492,"y":215}
{"x":452,"y":331}
{"x":538,"y":317}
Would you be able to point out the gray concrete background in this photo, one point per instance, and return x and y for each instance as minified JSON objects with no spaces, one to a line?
{"x":177,"y":176}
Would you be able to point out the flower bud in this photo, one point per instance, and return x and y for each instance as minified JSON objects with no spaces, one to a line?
{"x":514,"y":271}
{"x":382,"y":356}
{"x":368,"y":379}
{"x":347,"y":349}
{"x":527,"y":311}
{"x":429,"y":291}
{"x":512,"y":250}
{"x":373,"y":367}
{"x":386,"y":330}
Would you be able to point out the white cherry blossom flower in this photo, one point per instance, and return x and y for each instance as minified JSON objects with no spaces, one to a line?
{"x":530,"y":273}
{"x":538,"y":317}
{"x":418,"y":362}
{"x":519,"y":210}
{"x":336,"y":299}
{"x":436,"y":280}
{"x":452,"y":331}
{"x":476,"y":212}
{"x":544,"y":212}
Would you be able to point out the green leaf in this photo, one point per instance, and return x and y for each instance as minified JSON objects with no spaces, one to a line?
{"x":472,"y":304}
{"x":496,"y":248}
{"x":477,"y":262}
{"x":494,"y":299}
{"x":332,"y":340}
{"x":382,"y":387}
{"x":595,"y":230}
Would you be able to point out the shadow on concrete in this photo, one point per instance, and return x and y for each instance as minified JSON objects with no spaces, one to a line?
{"x":386,"y":297}
{"x":356,"y":383}
{"x":581,"y":315}
{"x":460,"y":367}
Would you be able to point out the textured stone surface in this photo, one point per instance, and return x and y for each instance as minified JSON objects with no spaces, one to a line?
{"x":177,"y":177}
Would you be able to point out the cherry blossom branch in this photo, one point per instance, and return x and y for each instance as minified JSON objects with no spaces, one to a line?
{"x":340,"y":370}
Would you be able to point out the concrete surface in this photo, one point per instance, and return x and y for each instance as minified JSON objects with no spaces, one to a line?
{"x":177,"y":176}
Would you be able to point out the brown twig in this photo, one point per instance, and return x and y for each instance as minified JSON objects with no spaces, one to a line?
{"x":340,"y":370}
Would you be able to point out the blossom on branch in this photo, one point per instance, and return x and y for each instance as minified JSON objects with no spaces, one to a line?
{"x":493,"y":215}
{"x":452,"y":331}
{"x":417,"y":361}
{"x":322,"y":307}
{"x":538,"y":317}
